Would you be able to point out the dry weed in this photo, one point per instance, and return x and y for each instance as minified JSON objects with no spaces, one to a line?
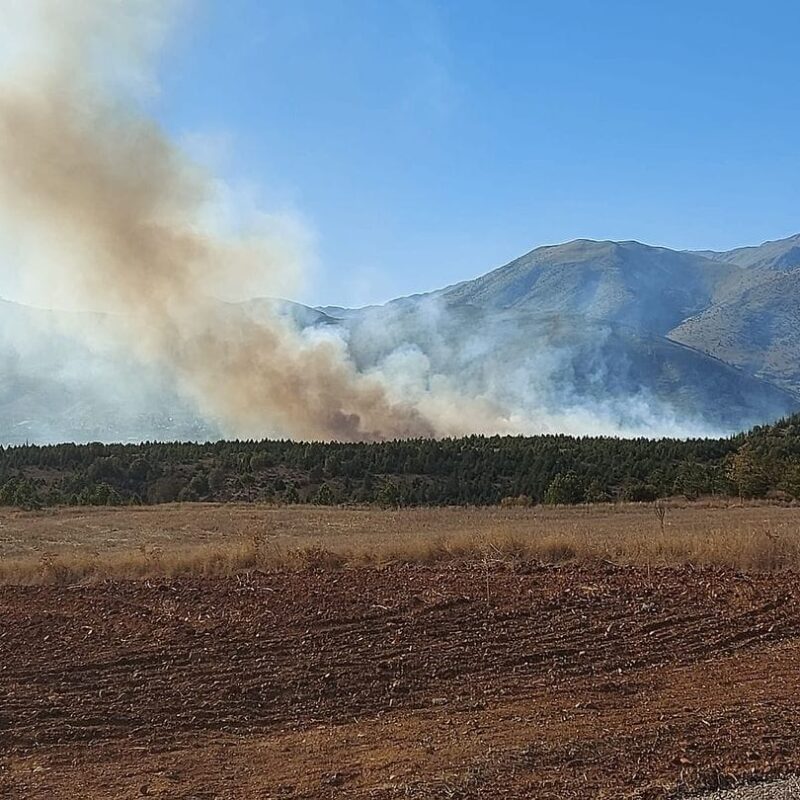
{"x":96,"y":544}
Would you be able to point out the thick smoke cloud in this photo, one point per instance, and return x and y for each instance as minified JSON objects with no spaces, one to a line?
{"x":111,"y":216}
{"x":102,"y":211}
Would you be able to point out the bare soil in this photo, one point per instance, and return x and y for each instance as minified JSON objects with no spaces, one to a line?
{"x":788,"y":789}
{"x":454,"y":681}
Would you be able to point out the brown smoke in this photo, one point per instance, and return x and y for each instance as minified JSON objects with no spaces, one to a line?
{"x":102,"y":211}
{"x":109,"y":213}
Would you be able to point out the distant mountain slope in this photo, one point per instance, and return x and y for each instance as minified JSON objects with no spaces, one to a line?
{"x":781,"y":255}
{"x":756,"y":324}
{"x":648,"y":288}
{"x":624,"y":304}
{"x":758,"y":329}
{"x":261,"y":308}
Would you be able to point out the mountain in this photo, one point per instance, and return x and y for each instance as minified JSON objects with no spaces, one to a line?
{"x":591,"y":330}
{"x":582,"y":337}
{"x":260,"y":308}
{"x":781,"y":255}
{"x":647,"y":288}
{"x":758,"y":329}
{"x":757,"y":325}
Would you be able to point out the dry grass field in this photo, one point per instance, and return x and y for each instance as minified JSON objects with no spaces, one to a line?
{"x":74,"y":544}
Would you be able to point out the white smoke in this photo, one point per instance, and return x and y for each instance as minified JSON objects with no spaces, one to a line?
{"x":102,"y":211}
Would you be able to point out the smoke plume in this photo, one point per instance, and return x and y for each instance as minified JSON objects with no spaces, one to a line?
{"x":102,"y":211}
{"x":109,"y":214}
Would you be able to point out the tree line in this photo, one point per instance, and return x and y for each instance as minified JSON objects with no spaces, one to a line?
{"x":473,"y":470}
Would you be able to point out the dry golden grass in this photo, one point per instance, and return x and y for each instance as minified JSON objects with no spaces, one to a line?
{"x":76,"y":544}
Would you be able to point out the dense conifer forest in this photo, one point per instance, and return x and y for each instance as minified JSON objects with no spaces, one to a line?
{"x":474,"y":470}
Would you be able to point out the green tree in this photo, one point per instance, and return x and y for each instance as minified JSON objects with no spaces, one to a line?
{"x":260,"y":461}
{"x":389,"y":495}
{"x":748,"y":473}
{"x":325,"y":495}
{"x":216,"y":480}
{"x":565,"y":489}
{"x":8,"y":492}
{"x":790,"y":482}
{"x":198,"y":485}
{"x":596,"y":492}
{"x":26,"y":496}
{"x":291,"y":496}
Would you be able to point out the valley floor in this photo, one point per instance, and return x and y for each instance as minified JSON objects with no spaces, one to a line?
{"x":459,"y":680}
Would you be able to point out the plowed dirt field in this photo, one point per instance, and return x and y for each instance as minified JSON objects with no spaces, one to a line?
{"x":460,"y":681}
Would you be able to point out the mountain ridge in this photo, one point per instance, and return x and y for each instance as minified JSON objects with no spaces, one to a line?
{"x":779,"y":254}
{"x":615,"y":336}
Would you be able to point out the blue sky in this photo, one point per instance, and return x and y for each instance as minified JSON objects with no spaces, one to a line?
{"x":428,"y":141}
